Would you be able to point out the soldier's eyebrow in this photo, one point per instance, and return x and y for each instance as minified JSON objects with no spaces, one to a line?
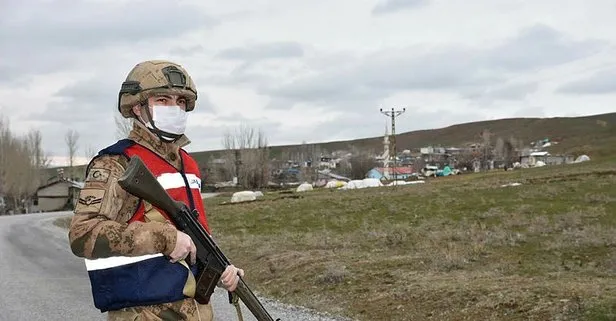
{"x":163,"y":96}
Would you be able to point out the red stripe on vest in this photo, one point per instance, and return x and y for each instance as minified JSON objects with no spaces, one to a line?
{"x":159,"y":167}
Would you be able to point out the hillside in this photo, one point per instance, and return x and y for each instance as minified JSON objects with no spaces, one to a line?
{"x":594,"y":135}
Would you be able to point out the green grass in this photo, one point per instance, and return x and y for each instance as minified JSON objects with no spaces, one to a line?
{"x":455,"y":248}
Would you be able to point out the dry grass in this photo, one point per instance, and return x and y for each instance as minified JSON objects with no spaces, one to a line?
{"x":456,"y":248}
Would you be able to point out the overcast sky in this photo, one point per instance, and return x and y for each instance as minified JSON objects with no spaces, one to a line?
{"x":307,"y":70}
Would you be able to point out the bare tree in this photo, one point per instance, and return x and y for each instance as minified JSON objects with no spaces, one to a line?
{"x":5,"y":151}
{"x":499,"y":148}
{"x":35,"y":140}
{"x":486,"y":148}
{"x":90,"y":152}
{"x":310,"y":155}
{"x":71,"y":139}
{"x":123,"y":126}
{"x":21,"y":159}
{"x":314,"y":155}
{"x":361,"y":162}
{"x":247,"y":155}
{"x":511,"y":151}
{"x":418,"y":164}
{"x":467,"y":158}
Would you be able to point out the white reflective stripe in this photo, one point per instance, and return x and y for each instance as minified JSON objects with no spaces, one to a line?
{"x":175,"y":180}
{"x":114,"y":261}
{"x":193,"y":181}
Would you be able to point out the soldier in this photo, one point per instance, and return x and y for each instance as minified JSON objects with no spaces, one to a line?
{"x":140,"y":266}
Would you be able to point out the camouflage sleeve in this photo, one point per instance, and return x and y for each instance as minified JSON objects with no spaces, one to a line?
{"x":98,"y":228}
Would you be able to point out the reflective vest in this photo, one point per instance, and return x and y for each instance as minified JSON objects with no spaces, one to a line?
{"x":119,"y":281}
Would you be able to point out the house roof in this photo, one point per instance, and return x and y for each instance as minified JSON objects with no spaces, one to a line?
{"x":398,"y":170}
{"x":543,"y":153}
{"x":72,"y":183}
{"x":332,"y":175}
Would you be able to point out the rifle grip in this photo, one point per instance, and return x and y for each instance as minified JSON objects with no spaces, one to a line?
{"x":206,"y":284}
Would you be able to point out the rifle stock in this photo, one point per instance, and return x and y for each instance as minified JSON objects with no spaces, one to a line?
{"x":140,"y":182}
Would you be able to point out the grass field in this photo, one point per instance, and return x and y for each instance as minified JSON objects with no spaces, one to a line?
{"x":455,"y":248}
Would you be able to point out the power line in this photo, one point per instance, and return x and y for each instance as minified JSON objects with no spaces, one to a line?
{"x":393,"y":114}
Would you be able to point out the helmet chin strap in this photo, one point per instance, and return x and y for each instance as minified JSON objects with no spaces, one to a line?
{"x":162,"y":135}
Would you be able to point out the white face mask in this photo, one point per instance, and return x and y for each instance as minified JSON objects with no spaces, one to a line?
{"x":170,"y":119}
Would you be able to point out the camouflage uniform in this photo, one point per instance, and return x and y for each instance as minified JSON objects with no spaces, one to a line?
{"x":99,"y":229}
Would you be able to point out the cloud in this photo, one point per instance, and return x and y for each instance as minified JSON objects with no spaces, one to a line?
{"x":539,"y":46}
{"x":62,"y":63}
{"x":389,"y":6}
{"x":92,"y":100}
{"x":258,"y":64}
{"x":511,"y":91}
{"x":263,"y":51}
{"x":469,"y":71}
{"x":83,"y":101}
{"x":187,"y":51}
{"x":49,"y":36}
{"x":602,"y":82}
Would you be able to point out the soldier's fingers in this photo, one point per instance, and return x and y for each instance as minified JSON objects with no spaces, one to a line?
{"x":235,"y":281}
{"x":175,"y":259}
{"x":228,"y":279}
{"x":228,"y":270}
{"x":240,"y":272}
{"x":193,"y":256}
{"x":230,"y":275}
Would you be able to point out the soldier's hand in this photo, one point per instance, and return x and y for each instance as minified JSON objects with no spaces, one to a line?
{"x":184,"y":246}
{"x":229,"y":277}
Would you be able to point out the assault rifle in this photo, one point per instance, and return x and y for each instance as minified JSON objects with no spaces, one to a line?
{"x":139,"y":181}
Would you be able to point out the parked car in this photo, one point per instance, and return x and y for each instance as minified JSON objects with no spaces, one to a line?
{"x":429,"y":171}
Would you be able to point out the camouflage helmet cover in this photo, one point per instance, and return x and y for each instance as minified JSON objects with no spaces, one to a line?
{"x":155,"y":77}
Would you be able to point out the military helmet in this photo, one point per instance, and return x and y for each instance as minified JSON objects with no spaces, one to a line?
{"x":155,"y":77}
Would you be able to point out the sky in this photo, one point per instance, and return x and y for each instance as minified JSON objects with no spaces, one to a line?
{"x":306,"y":71}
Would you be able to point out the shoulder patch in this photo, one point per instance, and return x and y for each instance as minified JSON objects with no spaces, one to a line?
{"x":98,"y":175}
{"x":90,"y":200}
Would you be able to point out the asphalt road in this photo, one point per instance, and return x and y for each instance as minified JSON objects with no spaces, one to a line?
{"x":40,"y":279}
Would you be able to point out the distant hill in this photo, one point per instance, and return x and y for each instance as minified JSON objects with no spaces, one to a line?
{"x":593,"y":135}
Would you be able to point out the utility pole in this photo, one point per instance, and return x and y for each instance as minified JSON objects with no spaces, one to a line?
{"x":393,"y":114}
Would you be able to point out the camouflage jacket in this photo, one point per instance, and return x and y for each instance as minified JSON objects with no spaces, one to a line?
{"x":98,"y":228}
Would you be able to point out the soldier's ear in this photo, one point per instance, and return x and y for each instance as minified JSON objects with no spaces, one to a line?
{"x":137,"y":110}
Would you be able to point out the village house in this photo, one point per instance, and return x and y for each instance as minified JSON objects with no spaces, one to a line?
{"x":58,"y":195}
{"x":533,"y":158}
{"x":329,"y":162}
